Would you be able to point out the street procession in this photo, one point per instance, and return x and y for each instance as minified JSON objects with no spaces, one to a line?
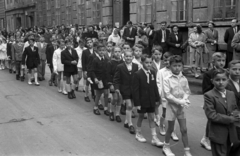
{"x":120,"y":77}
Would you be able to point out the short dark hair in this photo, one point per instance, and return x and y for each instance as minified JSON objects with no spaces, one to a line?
{"x":175,"y":59}
{"x":129,"y":22}
{"x":233,"y":62}
{"x":100,"y":45}
{"x":164,"y":22}
{"x":144,"y":57}
{"x":88,"y":39}
{"x":167,"y":54}
{"x":219,"y":71}
{"x":157,"y":48}
{"x":110,"y":42}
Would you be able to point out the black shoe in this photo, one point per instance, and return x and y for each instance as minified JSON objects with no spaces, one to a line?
{"x":10,"y":71}
{"x":43,"y":78}
{"x":22,"y":78}
{"x":17,"y":77}
{"x":126,"y":125}
{"x":50,"y":83}
{"x":70,"y":95}
{"x":133,"y":114}
{"x":106,"y":112}
{"x":14,"y":72}
{"x":73,"y":94}
{"x":94,"y":97}
{"x":96,"y":112}
{"x":87,"y":99}
{"x":55,"y":84}
{"x":131,"y":129}
{"x":123,"y":110}
{"x":100,"y":107}
{"x":32,"y":80}
{"x":76,"y":88}
{"x":111,"y":116}
{"x":83,"y":90}
{"x":39,"y":79}
{"x":118,"y":118}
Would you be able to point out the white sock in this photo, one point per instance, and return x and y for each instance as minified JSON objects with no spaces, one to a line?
{"x":118,"y":108}
{"x":129,"y":117}
{"x":153,"y":132}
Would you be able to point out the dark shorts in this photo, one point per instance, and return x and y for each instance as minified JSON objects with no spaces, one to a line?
{"x":146,"y":110}
{"x":125,"y":97}
{"x":68,"y":74}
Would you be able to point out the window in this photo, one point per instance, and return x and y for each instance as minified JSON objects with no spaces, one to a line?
{"x":199,"y":3}
{"x":57,"y":3}
{"x":57,"y":18}
{"x":68,"y":16}
{"x":145,"y":11}
{"x":1,"y":23}
{"x":224,"y":9}
{"x":161,"y":5}
{"x":48,"y":3}
{"x":68,"y":3}
{"x":178,"y":10}
{"x":49,"y":19}
{"x":81,"y":12}
{"x":96,"y":12}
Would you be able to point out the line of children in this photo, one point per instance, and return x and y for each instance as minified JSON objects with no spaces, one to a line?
{"x":218,"y":63}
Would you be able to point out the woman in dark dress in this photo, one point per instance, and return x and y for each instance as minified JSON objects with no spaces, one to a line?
{"x":31,"y":59}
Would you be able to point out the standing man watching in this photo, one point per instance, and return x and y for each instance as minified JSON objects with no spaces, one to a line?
{"x":129,"y":34}
{"x":230,"y":32}
{"x":161,"y":37}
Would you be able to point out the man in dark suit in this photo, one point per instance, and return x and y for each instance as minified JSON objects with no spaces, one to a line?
{"x":234,"y":86}
{"x":229,"y":34}
{"x":129,"y":34}
{"x":161,"y":37}
{"x":69,"y":58}
{"x":91,"y":33}
{"x":51,"y":47}
{"x":42,"y":54}
{"x":175,"y":41}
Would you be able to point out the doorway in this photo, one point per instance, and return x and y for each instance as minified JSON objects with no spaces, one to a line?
{"x":19,"y":22}
{"x":126,"y":11}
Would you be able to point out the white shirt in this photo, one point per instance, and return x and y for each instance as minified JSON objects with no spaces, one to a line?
{"x":91,"y":51}
{"x":147,"y":72}
{"x":163,"y":35}
{"x":158,"y":65}
{"x":129,"y":66}
{"x":223,"y":94}
{"x":57,"y":63}
{"x":79,"y":52}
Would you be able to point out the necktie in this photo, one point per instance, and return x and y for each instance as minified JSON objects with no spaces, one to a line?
{"x":130,"y":31}
{"x":176,"y":37}
{"x":148,"y":77}
{"x":164,"y":36}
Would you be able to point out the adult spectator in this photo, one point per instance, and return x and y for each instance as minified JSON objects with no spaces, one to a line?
{"x":91,"y":33}
{"x":150,"y":36}
{"x":230,"y":32}
{"x":212,"y":40}
{"x":114,"y":37}
{"x":197,"y":45}
{"x":161,"y":36}
{"x":236,"y":46}
{"x":129,"y":34}
{"x":142,"y":39}
{"x":175,"y":41}
{"x":103,"y":35}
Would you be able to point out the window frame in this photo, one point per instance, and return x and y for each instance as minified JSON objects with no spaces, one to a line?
{"x":57,"y":3}
{"x":143,"y":7}
{"x":223,"y":15}
{"x":179,"y":10}
{"x":81,"y":12}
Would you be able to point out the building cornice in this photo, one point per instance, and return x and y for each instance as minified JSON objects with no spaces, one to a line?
{"x":21,"y":7}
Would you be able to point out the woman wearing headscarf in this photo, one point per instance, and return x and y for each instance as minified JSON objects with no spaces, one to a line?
{"x":114,"y":37}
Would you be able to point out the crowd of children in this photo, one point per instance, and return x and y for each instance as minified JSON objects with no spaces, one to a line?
{"x":124,"y":80}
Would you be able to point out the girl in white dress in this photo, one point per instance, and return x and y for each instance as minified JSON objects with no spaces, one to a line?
{"x":3,"y":53}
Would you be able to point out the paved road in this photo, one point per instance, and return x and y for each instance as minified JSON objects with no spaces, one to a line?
{"x":40,"y":121}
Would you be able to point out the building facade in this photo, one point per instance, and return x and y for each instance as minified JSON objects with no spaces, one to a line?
{"x":2,"y":14}
{"x":20,"y":13}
